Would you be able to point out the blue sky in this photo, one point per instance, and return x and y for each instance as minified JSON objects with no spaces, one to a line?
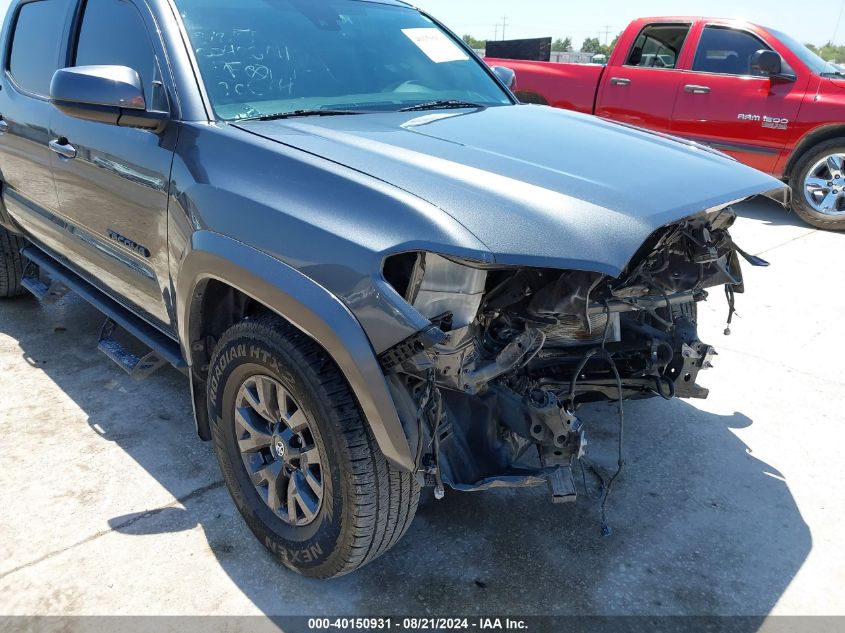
{"x":586,"y":18}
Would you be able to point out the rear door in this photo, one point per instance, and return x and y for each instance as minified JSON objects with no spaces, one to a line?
{"x":35,"y":30}
{"x":642,"y":91}
{"x":113,"y":181}
{"x":723,"y":102}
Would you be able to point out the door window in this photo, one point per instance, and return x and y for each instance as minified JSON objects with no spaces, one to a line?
{"x":658,"y":46}
{"x":113,"y":34}
{"x":35,"y":44}
{"x":726,"y":51}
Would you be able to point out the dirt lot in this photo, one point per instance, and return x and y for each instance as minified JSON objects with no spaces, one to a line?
{"x":732,"y":505}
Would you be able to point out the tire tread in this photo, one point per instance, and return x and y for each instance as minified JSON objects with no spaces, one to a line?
{"x":386,"y":498}
{"x":11,"y":264}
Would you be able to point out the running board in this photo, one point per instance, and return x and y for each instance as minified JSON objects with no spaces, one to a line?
{"x":164,"y":349}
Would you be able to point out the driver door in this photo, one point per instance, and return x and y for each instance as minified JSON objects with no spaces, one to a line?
{"x":721,"y":102}
{"x":112,"y":182}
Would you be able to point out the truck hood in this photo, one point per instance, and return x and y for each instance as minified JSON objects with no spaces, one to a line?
{"x":838,"y":83}
{"x":538,"y":186}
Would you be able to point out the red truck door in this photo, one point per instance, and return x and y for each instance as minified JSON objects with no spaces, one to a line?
{"x":641,"y":88}
{"x":723,"y":103}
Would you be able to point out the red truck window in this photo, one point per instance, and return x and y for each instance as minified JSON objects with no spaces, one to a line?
{"x":658,"y":46}
{"x":726,"y":51}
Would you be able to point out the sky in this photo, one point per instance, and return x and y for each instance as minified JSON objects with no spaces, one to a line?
{"x":590,"y":18}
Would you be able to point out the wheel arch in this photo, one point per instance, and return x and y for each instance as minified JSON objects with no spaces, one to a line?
{"x":220,"y":272}
{"x":809,"y":141}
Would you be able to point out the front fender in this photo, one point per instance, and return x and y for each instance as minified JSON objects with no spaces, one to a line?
{"x":309,"y":307}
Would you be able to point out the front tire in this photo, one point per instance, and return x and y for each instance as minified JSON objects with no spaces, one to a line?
{"x":11,"y":264}
{"x":297,"y":455}
{"x":818,"y":186}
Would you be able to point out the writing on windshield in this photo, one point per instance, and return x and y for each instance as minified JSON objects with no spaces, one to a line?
{"x":266,"y":57}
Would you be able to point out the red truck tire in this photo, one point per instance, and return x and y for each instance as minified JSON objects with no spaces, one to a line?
{"x":818,"y":185}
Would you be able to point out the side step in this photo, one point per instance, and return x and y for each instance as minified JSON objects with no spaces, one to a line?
{"x":165,"y":349}
{"x":138,"y":367}
{"x":47,"y":294}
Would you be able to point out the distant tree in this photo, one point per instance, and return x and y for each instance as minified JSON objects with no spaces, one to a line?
{"x":592,"y":45}
{"x":830,"y":52}
{"x":833,"y":53}
{"x":562,"y":45}
{"x":475,"y":43}
{"x":613,"y":44}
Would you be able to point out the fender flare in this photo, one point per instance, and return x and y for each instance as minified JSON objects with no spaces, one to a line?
{"x":309,"y":307}
{"x":817,"y":135}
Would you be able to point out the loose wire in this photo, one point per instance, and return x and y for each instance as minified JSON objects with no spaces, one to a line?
{"x":607,"y":487}
{"x":421,"y":413}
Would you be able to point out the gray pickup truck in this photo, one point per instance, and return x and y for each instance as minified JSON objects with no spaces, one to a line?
{"x":378,"y":271}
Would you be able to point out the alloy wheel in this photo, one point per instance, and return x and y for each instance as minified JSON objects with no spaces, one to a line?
{"x":277,"y":446}
{"x":824,"y":185}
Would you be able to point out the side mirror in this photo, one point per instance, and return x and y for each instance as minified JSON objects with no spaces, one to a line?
{"x":505,"y":75}
{"x":766,"y":62}
{"x":106,"y":94}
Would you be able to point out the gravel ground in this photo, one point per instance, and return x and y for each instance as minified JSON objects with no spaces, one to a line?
{"x":728,"y":506}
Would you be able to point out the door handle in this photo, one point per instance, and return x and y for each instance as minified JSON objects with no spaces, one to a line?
{"x":697,"y":90}
{"x":620,"y":81}
{"x":63,"y":148}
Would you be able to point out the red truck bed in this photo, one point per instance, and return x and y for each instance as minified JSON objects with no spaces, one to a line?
{"x":567,"y":86}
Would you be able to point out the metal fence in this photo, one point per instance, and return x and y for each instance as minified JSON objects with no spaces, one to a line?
{"x":561,"y":58}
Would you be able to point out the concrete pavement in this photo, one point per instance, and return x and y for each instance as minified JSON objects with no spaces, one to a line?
{"x":733,"y":505}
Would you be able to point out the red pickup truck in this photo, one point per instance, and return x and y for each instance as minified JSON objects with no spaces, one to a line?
{"x":754,"y":93}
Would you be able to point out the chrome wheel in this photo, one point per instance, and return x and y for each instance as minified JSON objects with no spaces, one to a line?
{"x":824,"y":186}
{"x":277,"y":446}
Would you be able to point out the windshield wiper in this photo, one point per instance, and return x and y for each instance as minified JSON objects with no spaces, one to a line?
{"x":442,"y":105}
{"x":299,"y":113}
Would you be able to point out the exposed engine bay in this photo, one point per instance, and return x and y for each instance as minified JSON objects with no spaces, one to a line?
{"x":513,"y":353}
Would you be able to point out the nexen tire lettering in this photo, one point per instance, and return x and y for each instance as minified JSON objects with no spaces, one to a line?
{"x":307,"y":555}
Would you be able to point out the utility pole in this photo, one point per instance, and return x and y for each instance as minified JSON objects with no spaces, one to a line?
{"x":496,"y":31}
{"x":606,"y":33}
{"x":504,"y":26}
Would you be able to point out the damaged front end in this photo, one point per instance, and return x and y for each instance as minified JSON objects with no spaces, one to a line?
{"x":513,"y":353}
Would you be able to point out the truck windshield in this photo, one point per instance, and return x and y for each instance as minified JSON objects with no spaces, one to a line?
{"x":815,"y":63}
{"x":275,"y":57}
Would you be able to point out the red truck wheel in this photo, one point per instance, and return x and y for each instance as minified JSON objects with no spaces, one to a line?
{"x":818,"y":186}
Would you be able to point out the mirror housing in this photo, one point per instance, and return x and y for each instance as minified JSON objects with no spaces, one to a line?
{"x":768,"y":63}
{"x":505,"y":75}
{"x":107,"y":94}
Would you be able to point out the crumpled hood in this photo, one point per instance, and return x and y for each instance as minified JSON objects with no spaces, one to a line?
{"x":538,"y":186}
